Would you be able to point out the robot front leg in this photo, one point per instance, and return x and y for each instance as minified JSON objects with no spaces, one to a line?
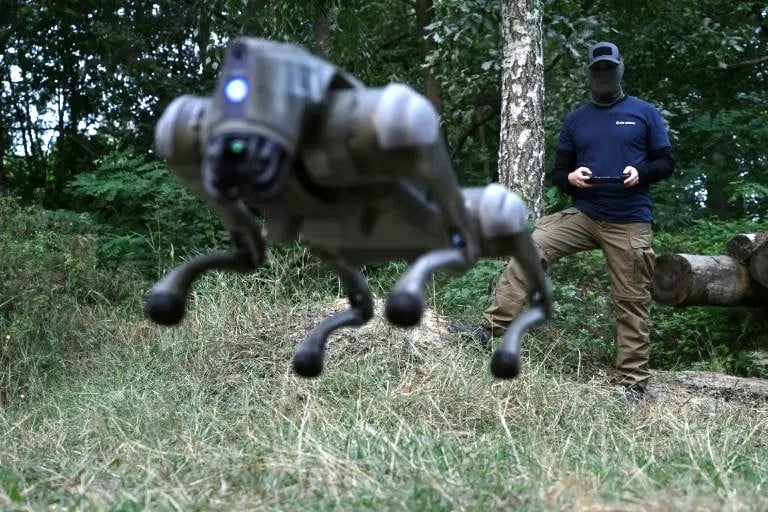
{"x":166,"y":302}
{"x":501,"y":217}
{"x":405,"y":304}
{"x":308,"y":359}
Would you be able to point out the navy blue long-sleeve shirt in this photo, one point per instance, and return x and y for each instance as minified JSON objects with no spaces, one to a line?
{"x":606,"y":140}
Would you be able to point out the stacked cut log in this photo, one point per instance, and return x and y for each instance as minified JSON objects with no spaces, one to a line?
{"x":752,"y":250}
{"x":739,"y":278}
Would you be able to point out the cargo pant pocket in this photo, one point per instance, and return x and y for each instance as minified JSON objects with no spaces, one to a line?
{"x":644,"y":261}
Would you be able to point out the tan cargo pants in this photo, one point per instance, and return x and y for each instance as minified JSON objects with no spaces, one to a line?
{"x":628,"y":252}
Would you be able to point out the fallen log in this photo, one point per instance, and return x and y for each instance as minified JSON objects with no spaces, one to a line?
{"x":742,"y":246}
{"x":691,"y":280}
{"x":758,"y":264}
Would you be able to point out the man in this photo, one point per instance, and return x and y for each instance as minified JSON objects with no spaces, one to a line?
{"x":613,"y":135}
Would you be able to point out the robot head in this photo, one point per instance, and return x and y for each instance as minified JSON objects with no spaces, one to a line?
{"x":246,"y":134}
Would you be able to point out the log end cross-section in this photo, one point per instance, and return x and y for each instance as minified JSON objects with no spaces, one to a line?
{"x":693,"y":280}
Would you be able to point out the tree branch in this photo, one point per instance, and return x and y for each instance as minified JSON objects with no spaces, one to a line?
{"x":552,"y":64}
{"x":743,"y":64}
{"x":479,"y":121}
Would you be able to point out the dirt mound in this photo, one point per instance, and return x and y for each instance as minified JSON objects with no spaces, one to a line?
{"x":433,"y":331}
{"x":707,"y":390}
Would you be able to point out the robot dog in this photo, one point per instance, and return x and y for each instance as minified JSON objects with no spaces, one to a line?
{"x":359,"y":175}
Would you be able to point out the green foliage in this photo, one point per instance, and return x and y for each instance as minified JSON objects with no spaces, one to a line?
{"x":715,"y":339}
{"x":704,"y":236}
{"x":467,"y":295}
{"x":581,"y":333}
{"x":569,"y":28}
{"x":707,"y":337}
{"x":49,"y":277}
{"x":729,"y":176}
{"x":144,"y":213}
{"x":555,"y":200}
{"x":468,"y":69}
{"x":105,"y":74}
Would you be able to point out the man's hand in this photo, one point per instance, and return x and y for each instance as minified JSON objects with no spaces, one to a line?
{"x":579,"y":177}
{"x":633,"y":178}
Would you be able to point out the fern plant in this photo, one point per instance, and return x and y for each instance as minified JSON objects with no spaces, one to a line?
{"x":146,"y":216}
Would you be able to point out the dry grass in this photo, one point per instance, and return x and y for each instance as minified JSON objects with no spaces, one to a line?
{"x":209,"y":416}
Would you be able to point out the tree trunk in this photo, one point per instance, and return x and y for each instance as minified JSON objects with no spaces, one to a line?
{"x":742,"y":246}
{"x":691,"y":280}
{"x":203,"y":37}
{"x":758,"y":264}
{"x":718,"y":201}
{"x":322,"y":33}
{"x":521,"y":144}
{"x":7,"y":27}
{"x":432,"y":88}
{"x":3,"y":147}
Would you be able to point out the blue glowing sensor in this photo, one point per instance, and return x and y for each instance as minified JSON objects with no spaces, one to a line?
{"x":236,"y":90}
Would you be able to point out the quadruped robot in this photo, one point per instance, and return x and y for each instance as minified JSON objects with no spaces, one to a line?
{"x":359,"y":175}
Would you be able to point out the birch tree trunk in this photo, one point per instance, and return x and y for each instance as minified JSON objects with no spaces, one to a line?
{"x":521,"y":144}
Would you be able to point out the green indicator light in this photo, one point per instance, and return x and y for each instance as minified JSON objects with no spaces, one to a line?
{"x":237,"y":147}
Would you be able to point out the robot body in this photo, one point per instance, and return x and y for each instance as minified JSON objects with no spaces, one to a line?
{"x":360,"y":175}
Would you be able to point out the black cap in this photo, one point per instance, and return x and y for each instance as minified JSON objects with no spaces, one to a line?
{"x":604,"y":51}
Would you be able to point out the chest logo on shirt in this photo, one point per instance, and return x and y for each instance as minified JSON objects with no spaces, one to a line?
{"x":625,"y":122}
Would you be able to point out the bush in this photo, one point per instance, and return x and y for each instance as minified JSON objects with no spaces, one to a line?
{"x":146,"y":217}
{"x":50,"y":279}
